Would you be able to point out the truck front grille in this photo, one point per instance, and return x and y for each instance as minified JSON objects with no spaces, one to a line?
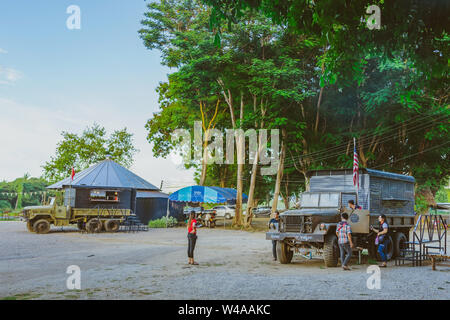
{"x":300,"y":224}
{"x":293,"y":223}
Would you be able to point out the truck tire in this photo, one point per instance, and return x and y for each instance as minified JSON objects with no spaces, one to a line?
{"x":30,"y":226}
{"x":331,"y":250}
{"x":399,"y":243}
{"x":284,"y":255}
{"x":94,"y":226}
{"x":41,"y":226}
{"x":112,"y":225}
{"x":373,"y":250}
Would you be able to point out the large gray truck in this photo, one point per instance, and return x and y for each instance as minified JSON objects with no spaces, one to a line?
{"x":312,"y":227}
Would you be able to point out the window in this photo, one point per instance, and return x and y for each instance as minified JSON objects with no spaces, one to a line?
{"x":105,"y":195}
{"x":329,"y":200}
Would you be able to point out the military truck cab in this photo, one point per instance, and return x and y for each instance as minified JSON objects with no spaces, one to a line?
{"x":312,"y":228}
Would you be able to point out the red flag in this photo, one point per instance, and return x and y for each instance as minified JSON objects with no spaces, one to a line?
{"x":73,"y":173}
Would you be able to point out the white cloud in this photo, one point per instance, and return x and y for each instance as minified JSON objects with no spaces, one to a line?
{"x":29,"y":134}
{"x":9,"y":75}
{"x":3,"y":51}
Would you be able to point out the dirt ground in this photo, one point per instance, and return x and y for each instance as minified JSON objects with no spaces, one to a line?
{"x":153,"y":265}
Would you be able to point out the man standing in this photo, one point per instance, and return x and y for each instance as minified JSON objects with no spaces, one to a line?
{"x":273,"y":224}
{"x":344,"y":234}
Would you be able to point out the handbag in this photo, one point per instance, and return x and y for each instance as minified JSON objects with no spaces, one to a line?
{"x":377,"y":240}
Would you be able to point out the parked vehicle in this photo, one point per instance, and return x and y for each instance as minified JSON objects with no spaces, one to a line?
{"x":226,"y":211}
{"x":197,"y":210}
{"x":40,"y":218}
{"x":262,"y":211}
{"x":313,"y":226}
{"x":205,"y":217}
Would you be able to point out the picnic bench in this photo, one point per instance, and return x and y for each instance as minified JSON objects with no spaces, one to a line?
{"x":438,"y":257}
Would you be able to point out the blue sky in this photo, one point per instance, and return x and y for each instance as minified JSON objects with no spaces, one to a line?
{"x":53,"y":79}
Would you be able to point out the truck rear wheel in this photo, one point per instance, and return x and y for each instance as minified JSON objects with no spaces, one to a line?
{"x":41,"y":226}
{"x":331,"y":251}
{"x":373,"y":249}
{"x":399,"y":243}
{"x":112,"y":225}
{"x":284,"y":255}
{"x":94,"y":225}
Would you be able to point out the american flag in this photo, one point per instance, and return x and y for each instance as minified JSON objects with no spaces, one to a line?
{"x":355,"y":168}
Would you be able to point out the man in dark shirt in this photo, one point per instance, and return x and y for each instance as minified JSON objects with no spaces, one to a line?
{"x":273,"y":224}
{"x":353,"y":206}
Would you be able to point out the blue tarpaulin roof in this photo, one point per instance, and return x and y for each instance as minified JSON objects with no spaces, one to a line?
{"x":105,"y":174}
{"x":203,"y":194}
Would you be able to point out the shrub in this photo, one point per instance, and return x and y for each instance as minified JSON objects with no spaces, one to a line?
{"x":163,"y":222}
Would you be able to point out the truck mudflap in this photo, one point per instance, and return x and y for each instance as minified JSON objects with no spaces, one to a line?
{"x":298,"y":237}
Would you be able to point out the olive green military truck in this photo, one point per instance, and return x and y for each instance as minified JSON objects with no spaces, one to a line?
{"x":312,"y":228}
{"x":40,"y":218}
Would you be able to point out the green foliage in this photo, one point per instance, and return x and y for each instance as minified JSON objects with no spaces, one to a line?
{"x":22,"y":192}
{"x":387,"y":88}
{"x":92,"y":146}
{"x":442,"y":195}
{"x":163,"y":222}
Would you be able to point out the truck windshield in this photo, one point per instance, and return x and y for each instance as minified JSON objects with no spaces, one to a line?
{"x":320,"y":200}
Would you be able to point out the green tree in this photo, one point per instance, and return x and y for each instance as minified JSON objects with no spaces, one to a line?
{"x":92,"y":146}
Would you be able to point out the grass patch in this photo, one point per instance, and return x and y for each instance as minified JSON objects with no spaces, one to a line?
{"x":163,"y":222}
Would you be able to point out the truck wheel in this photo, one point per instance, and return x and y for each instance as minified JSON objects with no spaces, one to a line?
{"x":373,"y":250}
{"x":331,"y":251}
{"x":112,"y":225}
{"x":399,"y":243}
{"x":30,"y":226}
{"x":41,"y":226}
{"x":284,"y":255}
{"x":94,"y":226}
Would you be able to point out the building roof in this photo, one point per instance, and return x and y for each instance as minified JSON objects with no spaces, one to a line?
{"x":370,"y":172}
{"x":105,"y":174}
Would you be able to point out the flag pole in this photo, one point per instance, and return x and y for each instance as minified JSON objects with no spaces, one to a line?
{"x":357,"y":176}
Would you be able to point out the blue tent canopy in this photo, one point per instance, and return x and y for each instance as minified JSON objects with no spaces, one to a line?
{"x":201,"y":194}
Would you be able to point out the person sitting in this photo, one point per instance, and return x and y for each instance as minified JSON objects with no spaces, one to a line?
{"x":353,"y":206}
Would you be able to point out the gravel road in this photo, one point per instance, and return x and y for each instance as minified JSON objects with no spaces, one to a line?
{"x":153,"y":265}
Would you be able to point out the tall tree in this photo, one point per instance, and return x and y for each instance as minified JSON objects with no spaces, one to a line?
{"x":92,"y":146}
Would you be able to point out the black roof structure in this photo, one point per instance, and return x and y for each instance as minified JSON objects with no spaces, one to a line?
{"x":105,"y":174}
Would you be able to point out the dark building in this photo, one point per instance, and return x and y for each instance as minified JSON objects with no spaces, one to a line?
{"x":109,"y":185}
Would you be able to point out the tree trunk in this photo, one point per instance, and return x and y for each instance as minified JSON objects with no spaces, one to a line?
{"x":279,"y":177}
{"x":240,"y":168}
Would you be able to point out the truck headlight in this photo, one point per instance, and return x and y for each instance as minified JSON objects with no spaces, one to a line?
{"x":323,"y":227}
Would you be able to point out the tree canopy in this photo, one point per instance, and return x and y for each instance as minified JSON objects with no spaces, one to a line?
{"x":91,"y":146}
{"x":318,"y":74}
